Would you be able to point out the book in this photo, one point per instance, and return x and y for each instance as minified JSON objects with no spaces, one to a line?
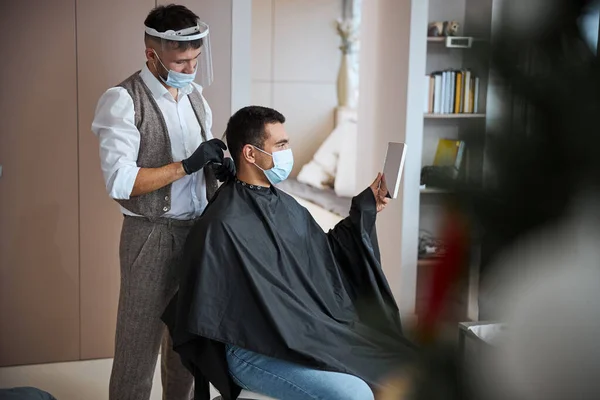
{"x":438,"y":94}
{"x":467,"y":93}
{"x":462,"y":91}
{"x":459,"y":157}
{"x":431,"y":93}
{"x":426,"y":97}
{"x":446,"y":153}
{"x":443,"y":99}
{"x":472,"y":95}
{"x":451,"y":92}
{"x":476,"y":97}
{"x":458,"y":92}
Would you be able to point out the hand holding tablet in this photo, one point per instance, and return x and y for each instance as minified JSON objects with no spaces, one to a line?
{"x":380,"y":192}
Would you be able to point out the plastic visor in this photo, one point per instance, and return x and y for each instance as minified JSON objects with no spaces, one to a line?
{"x":173,"y":41}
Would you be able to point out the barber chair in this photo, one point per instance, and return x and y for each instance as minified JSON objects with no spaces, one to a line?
{"x":25,"y":393}
{"x":245,"y":395}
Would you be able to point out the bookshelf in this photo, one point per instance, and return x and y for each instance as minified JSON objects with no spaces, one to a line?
{"x":466,"y":125}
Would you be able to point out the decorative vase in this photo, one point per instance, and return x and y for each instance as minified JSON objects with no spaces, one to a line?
{"x":343,"y":82}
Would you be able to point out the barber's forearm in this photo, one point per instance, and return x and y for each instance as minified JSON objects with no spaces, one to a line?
{"x":150,"y":179}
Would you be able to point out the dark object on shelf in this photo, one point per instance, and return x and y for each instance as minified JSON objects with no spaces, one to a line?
{"x":429,"y":246}
{"x":438,"y":177}
{"x":446,"y":28}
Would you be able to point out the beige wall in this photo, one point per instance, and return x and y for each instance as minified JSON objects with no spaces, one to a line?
{"x":295,"y":60}
{"x":39,"y":259}
{"x":59,"y":232}
{"x":103,"y":60}
{"x":390,"y":110}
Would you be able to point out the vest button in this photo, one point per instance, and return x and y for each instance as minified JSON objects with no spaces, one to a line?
{"x":167,"y":198}
{"x":165,"y":209}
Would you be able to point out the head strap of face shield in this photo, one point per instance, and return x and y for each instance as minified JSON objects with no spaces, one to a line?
{"x":183,"y":35}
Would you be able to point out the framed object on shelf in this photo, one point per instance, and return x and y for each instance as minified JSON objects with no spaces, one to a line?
{"x":459,"y":42}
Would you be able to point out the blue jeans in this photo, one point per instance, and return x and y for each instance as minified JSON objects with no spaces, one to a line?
{"x":284,"y":380}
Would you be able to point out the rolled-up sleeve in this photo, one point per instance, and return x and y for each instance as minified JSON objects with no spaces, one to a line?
{"x":119,"y":139}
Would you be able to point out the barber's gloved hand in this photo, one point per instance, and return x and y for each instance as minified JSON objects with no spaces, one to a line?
{"x":211,"y":151}
{"x":224,"y":171}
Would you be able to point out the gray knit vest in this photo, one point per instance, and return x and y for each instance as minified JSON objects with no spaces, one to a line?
{"x":155,"y":146}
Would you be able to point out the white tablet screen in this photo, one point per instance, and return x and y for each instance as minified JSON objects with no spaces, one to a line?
{"x":393,"y":166}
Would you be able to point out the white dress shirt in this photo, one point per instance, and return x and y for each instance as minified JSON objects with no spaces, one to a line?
{"x":114,"y":124}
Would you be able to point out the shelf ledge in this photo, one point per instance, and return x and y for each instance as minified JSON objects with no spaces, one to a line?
{"x":453,"y":116}
{"x":434,"y":191}
{"x":456,"y":42}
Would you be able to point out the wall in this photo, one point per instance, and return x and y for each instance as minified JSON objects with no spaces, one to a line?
{"x":103,"y":61}
{"x":39,"y":239}
{"x":390,"y":109}
{"x":59,"y":231}
{"x":295,"y":60}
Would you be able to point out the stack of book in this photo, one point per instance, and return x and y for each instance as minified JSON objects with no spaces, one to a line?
{"x":451,"y":92}
{"x":450,"y":153}
{"x":446,"y":164}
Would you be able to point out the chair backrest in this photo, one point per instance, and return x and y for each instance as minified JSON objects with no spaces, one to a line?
{"x":246,"y":395}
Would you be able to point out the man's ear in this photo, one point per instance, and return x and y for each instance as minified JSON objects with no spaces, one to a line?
{"x":149,"y":53}
{"x":249,"y":154}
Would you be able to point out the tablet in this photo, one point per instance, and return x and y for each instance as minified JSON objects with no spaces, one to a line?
{"x":393,"y":166}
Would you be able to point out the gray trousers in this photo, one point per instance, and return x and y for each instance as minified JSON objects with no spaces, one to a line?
{"x":149,"y":250}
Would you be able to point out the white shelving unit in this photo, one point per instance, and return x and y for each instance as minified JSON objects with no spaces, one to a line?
{"x":475,"y":19}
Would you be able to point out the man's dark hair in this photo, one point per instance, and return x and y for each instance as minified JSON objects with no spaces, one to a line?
{"x":172,"y":17}
{"x":247,"y":126}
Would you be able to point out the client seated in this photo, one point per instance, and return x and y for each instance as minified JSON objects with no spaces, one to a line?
{"x":269,"y":302}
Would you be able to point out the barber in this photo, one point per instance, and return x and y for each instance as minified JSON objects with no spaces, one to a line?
{"x":156,"y":151}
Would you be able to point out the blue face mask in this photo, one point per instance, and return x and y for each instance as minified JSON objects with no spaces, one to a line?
{"x":177,"y":80}
{"x":283,"y":162}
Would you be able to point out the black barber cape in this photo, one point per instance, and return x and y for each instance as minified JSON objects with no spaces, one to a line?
{"x":258,"y":272}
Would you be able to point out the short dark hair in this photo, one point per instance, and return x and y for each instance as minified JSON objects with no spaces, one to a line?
{"x":247,"y":126}
{"x":172,"y":17}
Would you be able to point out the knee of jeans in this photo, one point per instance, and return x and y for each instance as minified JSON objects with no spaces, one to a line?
{"x":358,"y":390}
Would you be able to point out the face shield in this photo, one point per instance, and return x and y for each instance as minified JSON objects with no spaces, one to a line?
{"x":184,"y":55}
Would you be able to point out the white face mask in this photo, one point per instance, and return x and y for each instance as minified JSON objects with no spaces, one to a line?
{"x":177,"y":80}
{"x":283,"y":162}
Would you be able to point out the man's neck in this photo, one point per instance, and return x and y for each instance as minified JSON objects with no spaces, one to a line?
{"x":252,"y":175}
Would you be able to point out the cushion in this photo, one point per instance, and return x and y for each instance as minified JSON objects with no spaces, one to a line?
{"x":334,"y":164}
{"x":345,"y":177}
{"x":324,"y":198}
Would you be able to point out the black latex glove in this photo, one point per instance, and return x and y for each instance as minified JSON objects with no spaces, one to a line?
{"x":224,"y":171}
{"x":207,"y":152}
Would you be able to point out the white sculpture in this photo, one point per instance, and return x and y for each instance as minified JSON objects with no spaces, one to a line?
{"x":347,"y":83}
